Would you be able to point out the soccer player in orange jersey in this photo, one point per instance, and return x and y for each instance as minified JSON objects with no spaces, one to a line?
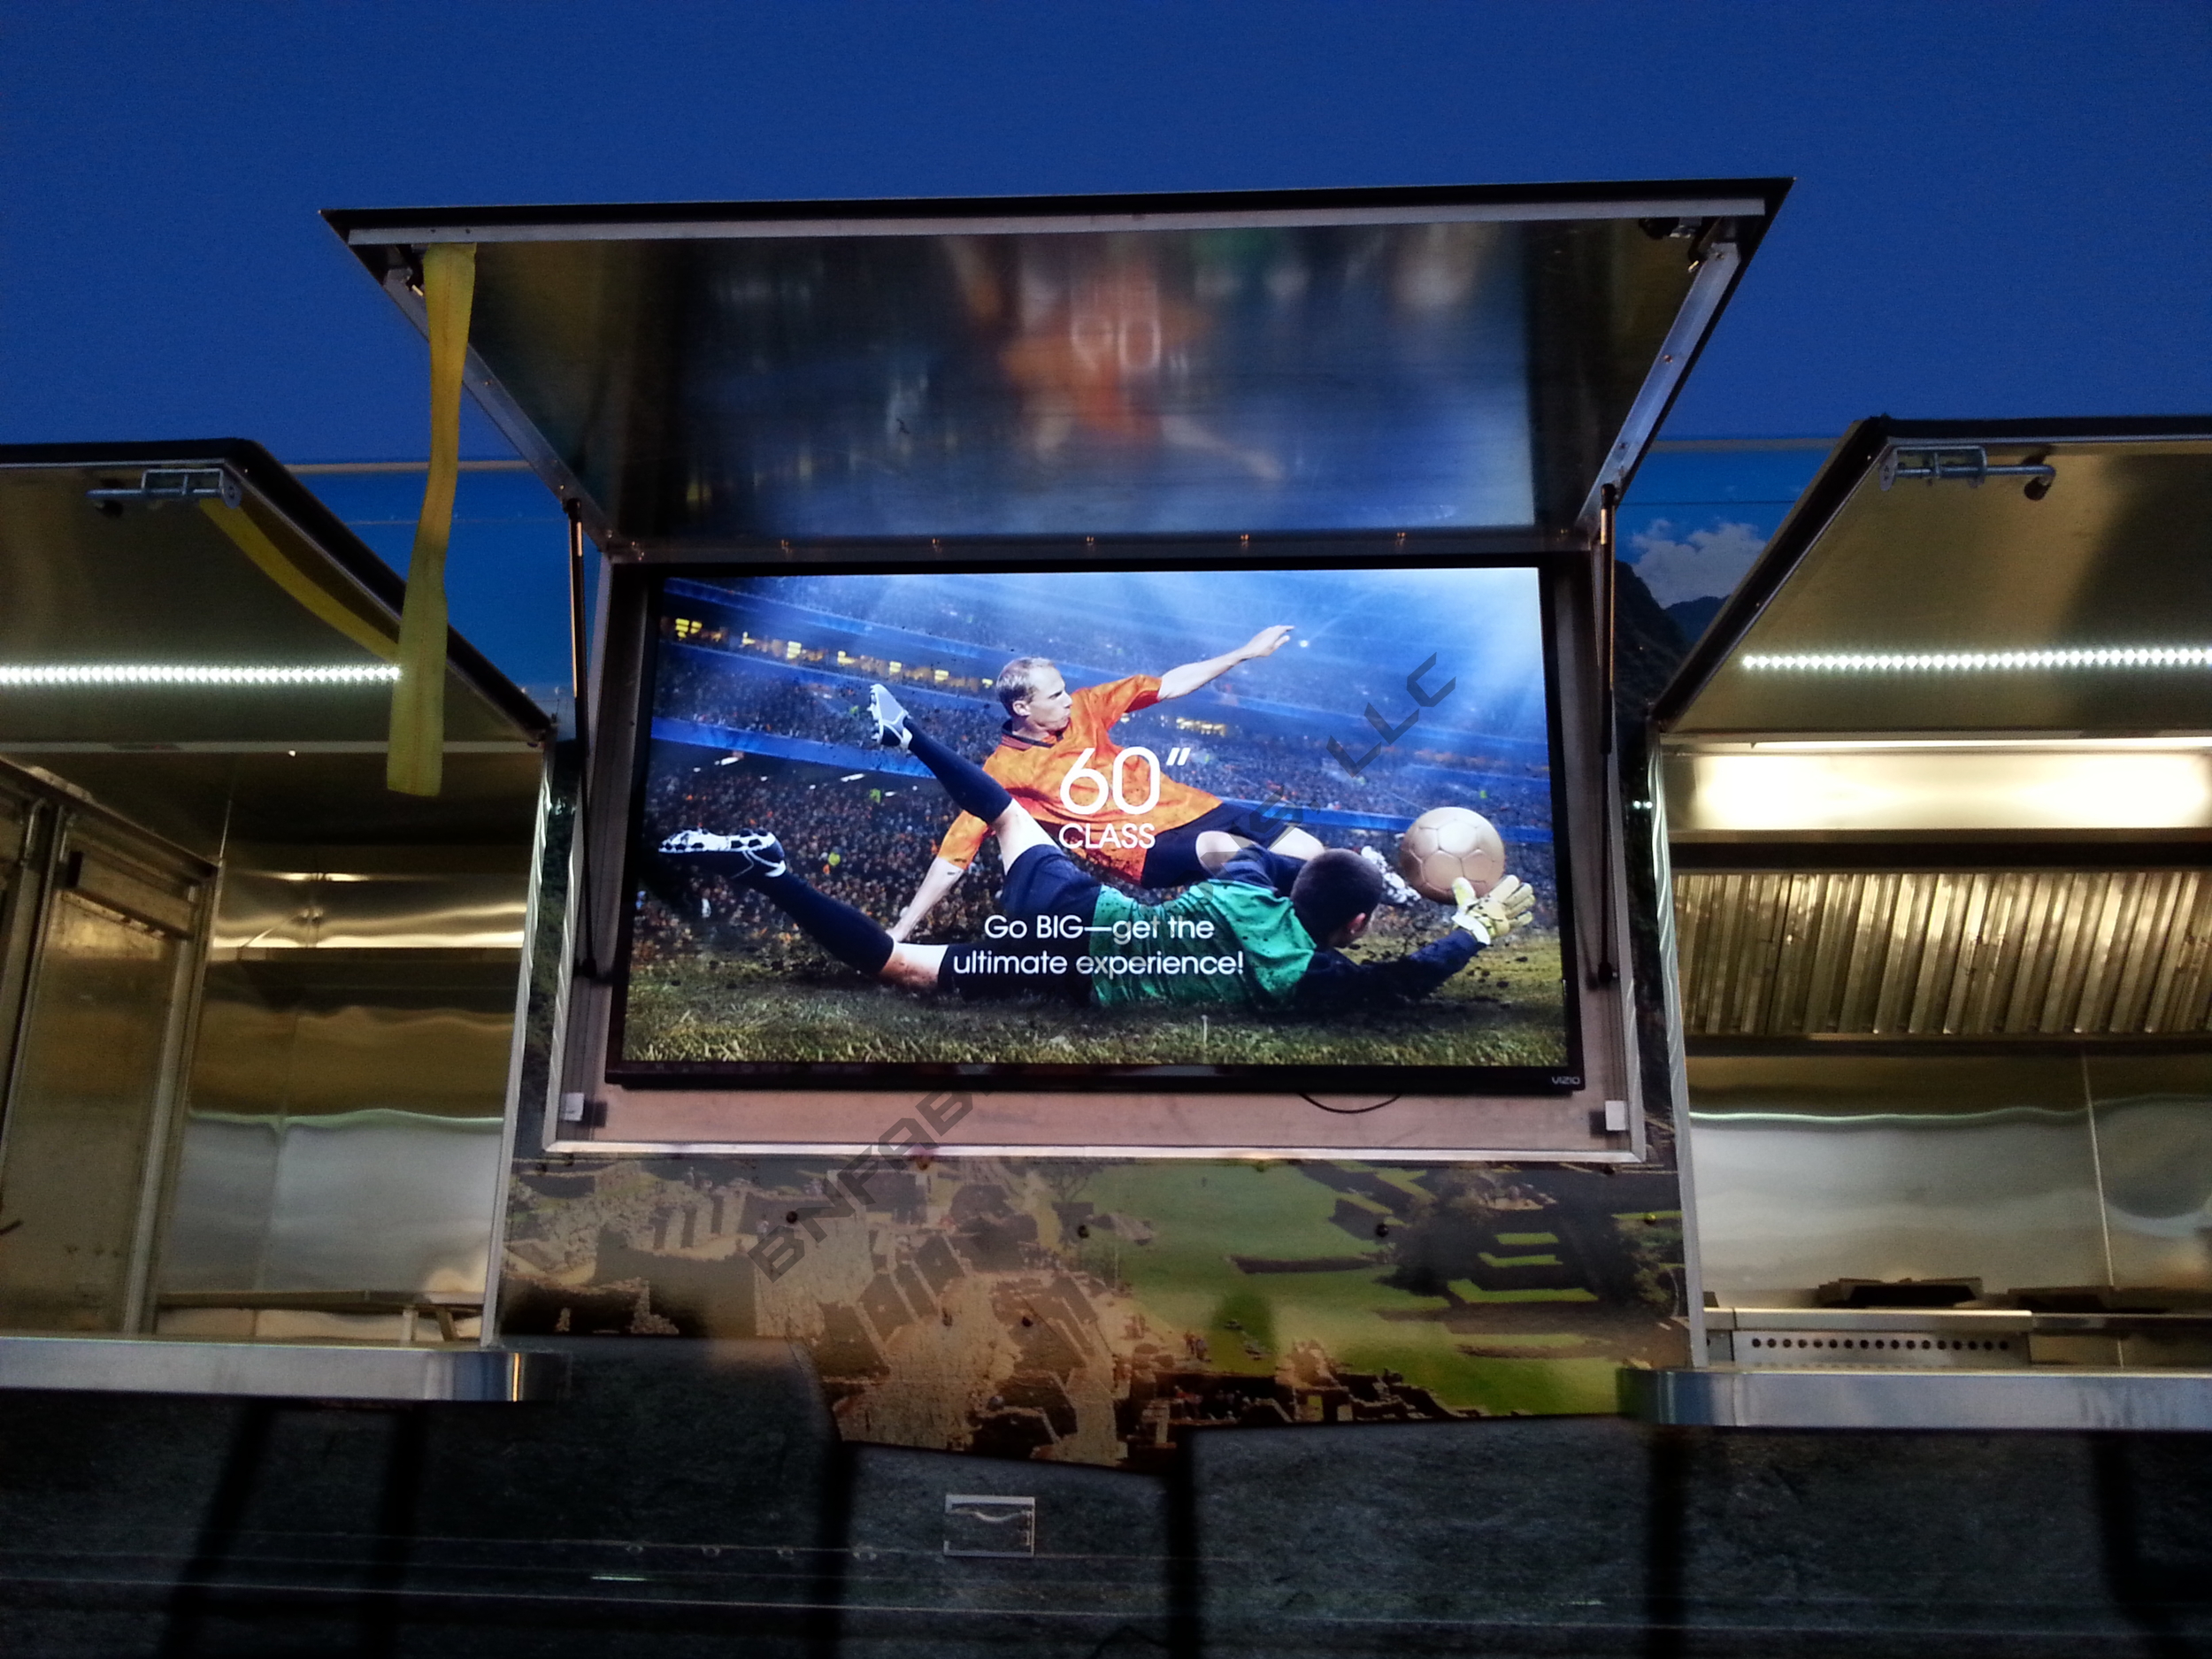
{"x":1112,"y":809}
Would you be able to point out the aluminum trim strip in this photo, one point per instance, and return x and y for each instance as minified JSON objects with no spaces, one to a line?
{"x":1869,"y":1320}
{"x":1057,"y":224}
{"x":2074,"y":1399}
{"x":275,"y":1369}
{"x":304,"y":746}
{"x":1058,"y":1149}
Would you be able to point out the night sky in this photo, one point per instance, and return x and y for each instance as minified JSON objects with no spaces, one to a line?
{"x":2002,"y":210}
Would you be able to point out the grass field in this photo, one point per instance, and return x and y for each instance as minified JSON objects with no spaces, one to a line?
{"x":1505,"y":1010}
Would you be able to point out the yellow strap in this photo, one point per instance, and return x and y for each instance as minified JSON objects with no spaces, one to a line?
{"x":279,"y":568}
{"x":416,"y":762}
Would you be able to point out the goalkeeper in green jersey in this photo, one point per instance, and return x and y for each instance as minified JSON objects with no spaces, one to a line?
{"x":1265,"y":932}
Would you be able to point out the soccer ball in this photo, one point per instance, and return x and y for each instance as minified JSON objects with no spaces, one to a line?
{"x":1446,"y":842}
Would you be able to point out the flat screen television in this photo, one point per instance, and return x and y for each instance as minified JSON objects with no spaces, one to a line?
{"x":1182,"y":824}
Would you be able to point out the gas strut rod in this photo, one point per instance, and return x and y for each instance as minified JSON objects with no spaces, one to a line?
{"x":578,"y":648}
{"x":1604,"y":966}
{"x":1608,"y":525}
{"x":587,"y":959}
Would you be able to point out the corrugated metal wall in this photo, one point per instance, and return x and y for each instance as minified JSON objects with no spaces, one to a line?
{"x":1982,"y":953}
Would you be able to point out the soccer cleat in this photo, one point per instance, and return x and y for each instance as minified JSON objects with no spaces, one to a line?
{"x":890,"y":717}
{"x":1397,"y":890}
{"x":753,"y":853}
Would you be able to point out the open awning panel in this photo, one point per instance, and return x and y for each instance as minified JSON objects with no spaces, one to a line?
{"x":204,"y":558}
{"x":705,"y":376}
{"x":2048,"y":576}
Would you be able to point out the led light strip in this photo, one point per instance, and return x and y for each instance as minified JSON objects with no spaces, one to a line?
{"x":191,"y":674}
{"x":1970,"y":661}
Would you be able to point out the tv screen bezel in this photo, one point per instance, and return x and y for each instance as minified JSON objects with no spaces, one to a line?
{"x":912,"y":556}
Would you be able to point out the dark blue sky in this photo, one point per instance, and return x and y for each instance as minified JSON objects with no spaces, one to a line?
{"x":2002,"y":210}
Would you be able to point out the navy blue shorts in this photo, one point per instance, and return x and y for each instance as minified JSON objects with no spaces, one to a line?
{"x":1171,"y":861}
{"x":1045,"y":881}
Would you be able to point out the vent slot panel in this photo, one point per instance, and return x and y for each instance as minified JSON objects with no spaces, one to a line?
{"x":2028,"y":953}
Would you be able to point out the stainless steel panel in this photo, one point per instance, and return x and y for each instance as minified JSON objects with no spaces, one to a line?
{"x":86,"y":1117}
{"x":2077,"y":1399}
{"x":272,"y":912}
{"x":1980,"y":953}
{"x":25,"y":826}
{"x":384,"y":1200}
{"x":284,"y":1370}
{"x":15,"y":823}
{"x":287,"y":1040}
{"x":164,"y":902}
{"x":218,"y":1202}
{"x":2154,"y":1116}
{"x":350,"y":1078}
{"x":1824,"y":1166}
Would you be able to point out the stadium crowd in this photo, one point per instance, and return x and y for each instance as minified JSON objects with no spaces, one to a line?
{"x":736,"y":691}
{"x":726,"y":688}
{"x":1346,"y":673}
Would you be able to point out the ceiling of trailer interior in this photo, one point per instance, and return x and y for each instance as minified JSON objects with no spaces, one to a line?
{"x":2116,"y":555}
{"x":147,"y":581}
{"x":708,"y":376}
{"x":161,"y":581}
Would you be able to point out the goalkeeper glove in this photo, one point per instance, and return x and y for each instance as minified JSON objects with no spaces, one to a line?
{"x":1497,"y":913}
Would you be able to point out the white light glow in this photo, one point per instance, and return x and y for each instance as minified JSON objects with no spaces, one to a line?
{"x":2013,"y":790}
{"x":192,"y":674}
{"x":1979,"y":662}
{"x":2056,"y":745}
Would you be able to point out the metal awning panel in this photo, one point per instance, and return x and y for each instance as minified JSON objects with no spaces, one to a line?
{"x":134,"y":577}
{"x":704,"y":376}
{"x":1880,"y":603}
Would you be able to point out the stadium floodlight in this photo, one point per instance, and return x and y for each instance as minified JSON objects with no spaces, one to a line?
{"x":77,"y":674}
{"x":1980,"y":662}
